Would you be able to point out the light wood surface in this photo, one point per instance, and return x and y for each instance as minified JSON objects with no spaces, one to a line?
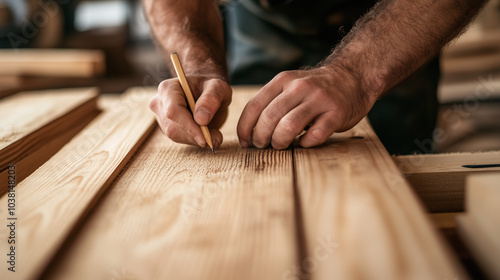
{"x":338,"y":211}
{"x":52,"y":62}
{"x":181,"y":212}
{"x":27,"y":165}
{"x":53,"y":200}
{"x":479,"y":227}
{"x":439,"y":179}
{"x":352,"y":194}
{"x":30,"y":120}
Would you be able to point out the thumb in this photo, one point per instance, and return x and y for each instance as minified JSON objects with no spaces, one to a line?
{"x":207,"y":105}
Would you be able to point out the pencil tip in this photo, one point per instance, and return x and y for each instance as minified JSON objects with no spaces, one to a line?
{"x":212,"y":150}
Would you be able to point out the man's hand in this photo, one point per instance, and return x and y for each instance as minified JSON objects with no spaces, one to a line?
{"x":176,"y":121}
{"x":329,"y":100}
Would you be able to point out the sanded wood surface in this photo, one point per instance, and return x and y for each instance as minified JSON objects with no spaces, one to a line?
{"x":352,"y":195}
{"x":181,"y":212}
{"x":55,"y":198}
{"x":31,"y":120}
{"x":52,"y":62}
{"x":479,"y":227}
{"x":27,"y":165}
{"x":439,"y":179}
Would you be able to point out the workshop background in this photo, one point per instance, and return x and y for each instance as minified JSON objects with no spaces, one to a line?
{"x":469,"y":92}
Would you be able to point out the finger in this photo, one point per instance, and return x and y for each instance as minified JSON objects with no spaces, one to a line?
{"x":292,"y":125}
{"x":271,"y":116}
{"x":216,"y":138}
{"x":173,"y":109}
{"x":323,"y":127}
{"x":176,"y":133}
{"x":214,"y":94}
{"x":256,"y":105}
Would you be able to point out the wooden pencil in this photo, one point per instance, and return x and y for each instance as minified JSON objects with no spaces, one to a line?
{"x":189,"y":96}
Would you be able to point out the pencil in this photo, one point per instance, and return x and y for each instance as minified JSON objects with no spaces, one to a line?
{"x":189,"y":96}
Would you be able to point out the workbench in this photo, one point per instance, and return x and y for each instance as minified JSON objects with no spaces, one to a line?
{"x":122,"y":201}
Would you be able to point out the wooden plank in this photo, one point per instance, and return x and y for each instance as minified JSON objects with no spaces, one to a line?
{"x":479,"y":227}
{"x":33,"y":119}
{"x":180,"y":212}
{"x":444,"y":221}
{"x":352,"y":195}
{"x":27,"y":165}
{"x":52,"y":62}
{"x":484,"y":248}
{"x":439,"y":179}
{"x":483,"y":201}
{"x":52,"y":201}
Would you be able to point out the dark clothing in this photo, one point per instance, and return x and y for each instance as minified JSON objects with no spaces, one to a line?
{"x":265,"y":37}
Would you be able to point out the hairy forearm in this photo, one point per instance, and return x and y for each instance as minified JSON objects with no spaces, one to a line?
{"x":194,"y":30}
{"x":397,"y":37}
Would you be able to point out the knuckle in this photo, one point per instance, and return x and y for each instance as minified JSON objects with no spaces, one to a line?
{"x":171,"y":131}
{"x":303,"y":85}
{"x":153,"y":103}
{"x":170,"y":112}
{"x":285,"y":75}
{"x":289,"y":126}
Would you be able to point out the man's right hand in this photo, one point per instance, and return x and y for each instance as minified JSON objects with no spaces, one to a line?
{"x":175,"y":119}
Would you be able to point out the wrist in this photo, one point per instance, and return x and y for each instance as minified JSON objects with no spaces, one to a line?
{"x":355,"y":63}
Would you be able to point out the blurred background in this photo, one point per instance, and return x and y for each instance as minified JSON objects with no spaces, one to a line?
{"x":469,"y":118}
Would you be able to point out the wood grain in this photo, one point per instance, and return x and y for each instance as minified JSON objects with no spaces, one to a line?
{"x":52,"y":62}
{"x":354,"y":199}
{"x":439,"y":179}
{"x":52,"y":201}
{"x":27,"y":165}
{"x":181,"y":212}
{"x":34,"y":119}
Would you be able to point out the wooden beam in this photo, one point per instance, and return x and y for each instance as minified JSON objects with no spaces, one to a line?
{"x":181,"y":212}
{"x":479,"y":227}
{"x":52,"y":201}
{"x":439,"y":179}
{"x":52,"y":62}
{"x":361,"y":219}
{"x":31,"y":121}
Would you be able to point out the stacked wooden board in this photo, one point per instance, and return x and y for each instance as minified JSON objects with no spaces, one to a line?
{"x":35,"y":125}
{"x":30,"y":69}
{"x":55,"y":198}
{"x":338,"y":211}
{"x":439,"y":179}
{"x":480,"y":225}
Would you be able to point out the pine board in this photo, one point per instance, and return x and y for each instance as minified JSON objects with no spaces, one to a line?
{"x":180,"y":212}
{"x":28,"y":164}
{"x":352,"y":195}
{"x":439,"y":179}
{"x":479,"y":227}
{"x":30,"y":120}
{"x":52,"y":62}
{"x":53,"y":200}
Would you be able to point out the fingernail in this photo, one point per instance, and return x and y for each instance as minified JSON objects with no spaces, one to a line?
{"x":203,"y":116}
{"x":243,"y":144}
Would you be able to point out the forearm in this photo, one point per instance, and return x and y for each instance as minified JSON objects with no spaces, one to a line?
{"x":396,"y":38}
{"x":194,"y":30}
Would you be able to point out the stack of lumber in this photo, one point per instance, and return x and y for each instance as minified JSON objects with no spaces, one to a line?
{"x":439,"y":179}
{"x":105,"y":207}
{"x":56,"y":197}
{"x":480,"y":225}
{"x":29,"y":69}
{"x":35,"y":125}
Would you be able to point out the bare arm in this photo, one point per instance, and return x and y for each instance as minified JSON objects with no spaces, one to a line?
{"x":389,"y":43}
{"x":194,"y":30}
